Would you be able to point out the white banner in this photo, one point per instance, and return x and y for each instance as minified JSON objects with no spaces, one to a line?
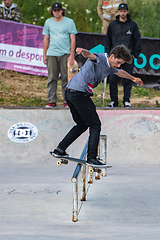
{"x":21,"y":55}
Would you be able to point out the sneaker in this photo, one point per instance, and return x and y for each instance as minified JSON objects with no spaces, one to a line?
{"x":66,"y":105}
{"x":51,"y":104}
{"x":127,"y":105}
{"x":112,"y":104}
{"x":59,"y":153}
{"x":95,"y":162}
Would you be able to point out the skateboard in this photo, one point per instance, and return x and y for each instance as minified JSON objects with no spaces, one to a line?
{"x":94,"y":168}
{"x":72,"y":70}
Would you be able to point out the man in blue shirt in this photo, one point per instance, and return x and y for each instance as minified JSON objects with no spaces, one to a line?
{"x":78,"y":92}
{"x":58,"y":48}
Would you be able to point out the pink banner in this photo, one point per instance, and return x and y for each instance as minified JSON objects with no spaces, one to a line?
{"x":21,"y":48}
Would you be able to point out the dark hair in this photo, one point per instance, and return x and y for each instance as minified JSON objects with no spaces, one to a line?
{"x":122,"y":52}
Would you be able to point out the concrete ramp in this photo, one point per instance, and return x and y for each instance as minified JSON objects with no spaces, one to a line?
{"x":132,"y":135}
{"x":36,"y":194}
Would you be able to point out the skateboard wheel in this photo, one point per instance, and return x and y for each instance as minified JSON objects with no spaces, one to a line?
{"x":91,"y":170}
{"x":59,"y":163}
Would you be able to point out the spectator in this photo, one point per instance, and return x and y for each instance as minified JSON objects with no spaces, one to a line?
{"x":107,"y":11}
{"x":10,"y":11}
{"x":123,"y":31}
{"x":58,"y":48}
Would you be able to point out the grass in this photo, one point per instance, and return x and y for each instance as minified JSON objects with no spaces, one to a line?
{"x":141,"y":91}
{"x":27,"y":102}
{"x":144,"y":12}
{"x":22,"y":90}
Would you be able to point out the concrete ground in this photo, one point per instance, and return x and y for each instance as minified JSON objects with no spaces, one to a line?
{"x":36,"y":199}
{"x":36,"y":203}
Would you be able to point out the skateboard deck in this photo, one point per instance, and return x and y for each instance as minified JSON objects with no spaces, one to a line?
{"x":72,"y":70}
{"x":64,"y":160}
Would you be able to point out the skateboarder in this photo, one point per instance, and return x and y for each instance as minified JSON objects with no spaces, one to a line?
{"x":79,"y":90}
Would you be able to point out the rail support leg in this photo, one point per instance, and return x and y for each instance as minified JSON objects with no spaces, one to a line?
{"x":83,"y":172}
{"x":97,"y":175}
{"x":75,"y":200}
{"x":90,"y":176}
{"x":103,"y":152}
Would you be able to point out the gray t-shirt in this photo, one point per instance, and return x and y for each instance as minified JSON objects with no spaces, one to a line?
{"x":91,"y":74}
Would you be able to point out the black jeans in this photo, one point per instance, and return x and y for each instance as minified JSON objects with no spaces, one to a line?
{"x":84,"y":114}
{"x":127,"y":84}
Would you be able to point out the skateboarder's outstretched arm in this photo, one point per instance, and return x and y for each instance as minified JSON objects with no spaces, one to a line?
{"x":86,"y":53}
{"x":123,"y":74}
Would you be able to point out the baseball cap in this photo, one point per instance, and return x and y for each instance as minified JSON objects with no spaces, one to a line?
{"x":123,"y":6}
{"x":56,"y":6}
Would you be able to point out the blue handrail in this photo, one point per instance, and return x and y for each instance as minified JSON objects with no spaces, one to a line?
{"x":83,"y":154}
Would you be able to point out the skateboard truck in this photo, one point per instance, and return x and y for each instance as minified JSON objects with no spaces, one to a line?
{"x":59,"y":162}
{"x":92,"y":170}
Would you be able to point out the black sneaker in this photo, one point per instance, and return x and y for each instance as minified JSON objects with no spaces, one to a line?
{"x":95,"y":162}
{"x":59,"y":153}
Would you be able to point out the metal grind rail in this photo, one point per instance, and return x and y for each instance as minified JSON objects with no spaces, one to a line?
{"x":102,"y":154}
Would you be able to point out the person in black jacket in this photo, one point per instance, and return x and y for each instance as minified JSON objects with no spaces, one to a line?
{"x":123,"y":31}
